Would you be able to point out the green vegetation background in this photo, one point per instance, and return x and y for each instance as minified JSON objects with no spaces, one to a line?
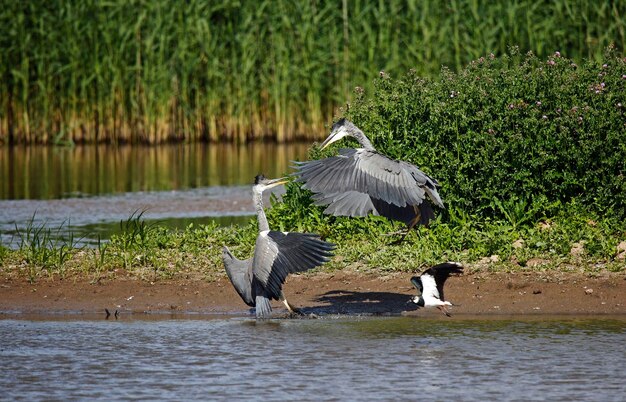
{"x":159,"y":70}
{"x":530,"y":148}
{"x":530,"y":154}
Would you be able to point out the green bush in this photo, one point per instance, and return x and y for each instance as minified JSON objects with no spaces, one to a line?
{"x":512,"y":137}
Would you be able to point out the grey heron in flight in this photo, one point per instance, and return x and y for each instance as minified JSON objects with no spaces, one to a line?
{"x":259,"y":279}
{"x":361,"y":181}
{"x":430,"y":285}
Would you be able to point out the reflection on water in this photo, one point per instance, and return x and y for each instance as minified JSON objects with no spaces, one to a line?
{"x":48,"y":172}
{"x":88,"y":190}
{"x":342,"y":358}
{"x":88,"y":217}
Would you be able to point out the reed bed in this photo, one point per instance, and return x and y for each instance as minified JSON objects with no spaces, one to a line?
{"x":138,"y":71}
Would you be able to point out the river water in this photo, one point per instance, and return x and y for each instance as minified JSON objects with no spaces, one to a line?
{"x":88,"y":190}
{"x":332,"y":358}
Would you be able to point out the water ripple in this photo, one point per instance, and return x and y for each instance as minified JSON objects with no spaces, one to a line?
{"x":374,"y":358}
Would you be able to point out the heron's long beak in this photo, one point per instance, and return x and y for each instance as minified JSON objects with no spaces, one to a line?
{"x":335,"y":135}
{"x":327,"y":141}
{"x":276,"y":182}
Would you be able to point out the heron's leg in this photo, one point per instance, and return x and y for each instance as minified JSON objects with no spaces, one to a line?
{"x":292,"y":309}
{"x":415,"y":220}
{"x":411,"y":225}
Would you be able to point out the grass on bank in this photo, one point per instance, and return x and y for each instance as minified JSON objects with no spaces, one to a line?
{"x":574,"y":241}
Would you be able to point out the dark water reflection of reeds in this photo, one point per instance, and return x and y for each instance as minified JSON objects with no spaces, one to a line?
{"x":38,"y":172}
{"x":85,"y":192}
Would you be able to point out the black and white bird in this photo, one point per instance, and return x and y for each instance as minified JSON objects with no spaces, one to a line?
{"x":430,"y":285}
{"x":259,"y":279}
{"x":361,"y":181}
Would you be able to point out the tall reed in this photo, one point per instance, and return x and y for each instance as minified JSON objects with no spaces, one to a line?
{"x":153,"y":71}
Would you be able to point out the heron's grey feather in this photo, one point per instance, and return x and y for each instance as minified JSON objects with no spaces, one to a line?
{"x":263,"y":306}
{"x":349,"y":203}
{"x":370,"y":172}
{"x":259,"y":279}
{"x":353,"y":203}
{"x":239,"y":272}
{"x":278,"y":254}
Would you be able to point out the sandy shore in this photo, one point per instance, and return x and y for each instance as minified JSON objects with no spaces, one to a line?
{"x":482,"y":293}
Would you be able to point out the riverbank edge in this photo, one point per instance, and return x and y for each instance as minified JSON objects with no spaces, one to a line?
{"x":347,"y":292}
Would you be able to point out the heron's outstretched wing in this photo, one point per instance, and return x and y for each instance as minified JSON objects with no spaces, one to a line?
{"x":239,"y":272}
{"x":440,"y":274}
{"x":353,"y":203}
{"x":277,"y":254}
{"x":366,"y":171}
{"x":349,"y":203}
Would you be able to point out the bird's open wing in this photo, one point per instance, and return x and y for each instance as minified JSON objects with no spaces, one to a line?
{"x":429,"y":286}
{"x":277,"y":254}
{"x":365,"y":171}
{"x":353,"y":203}
{"x":239,"y":272}
{"x":441,"y":272}
{"x":417,"y":282}
{"x":349,"y":203}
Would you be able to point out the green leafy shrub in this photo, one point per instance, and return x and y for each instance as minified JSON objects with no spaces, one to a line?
{"x":512,"y":137}
{"x":530,"y":154}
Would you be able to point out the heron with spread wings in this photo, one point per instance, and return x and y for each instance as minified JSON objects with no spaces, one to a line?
{"x":259,"y":279}
{"x":361,"y":181}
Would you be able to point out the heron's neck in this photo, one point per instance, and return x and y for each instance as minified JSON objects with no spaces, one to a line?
{"x":363,"y":140}
{"x":260,"y":212}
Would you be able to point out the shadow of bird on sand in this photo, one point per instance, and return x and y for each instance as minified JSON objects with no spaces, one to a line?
{"x":352,"y":302}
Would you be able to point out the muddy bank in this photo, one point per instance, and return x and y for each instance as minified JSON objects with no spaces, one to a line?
{"x":529,"y":293}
